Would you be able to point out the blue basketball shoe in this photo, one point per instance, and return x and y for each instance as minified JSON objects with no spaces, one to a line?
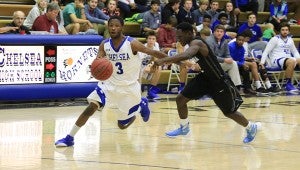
{"x":291,"y":89}
{"x":152,"y":93}
{"x":65,"y":142}
{"x":145,"y":111}
{"x":180,"y":131}
{"x":251,"y":133}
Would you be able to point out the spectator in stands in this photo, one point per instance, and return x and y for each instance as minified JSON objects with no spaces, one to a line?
{"x":166,"y":35}
{"x":7,"y":29}
{"x":38,"y":9}
{"x":255,"y":41}
{"x":245,"y":5}
{"x":199,"y":13}
{"x":278,"y":13}
{"x":222,"y":20}
{"x":152,"y":75}
{"x":294,"y":6}
{"x":129,"y":6}
{"x":232,"y":20}
{"x":18,"y":20}
{"x":237,"y":52}
{"x":152,"y":18}
{"x":170,"y":9}
{"x":60,"y":19}
{"x":96,"y":17}
{"x":111,"y":9}
{"x":219,"y":45}
{"x":213,"y":11}
{"x":268,"y":32}
{"x":185,"y":13}
{"x":194,"y":4}
{"x":75,"y":19}
{"x":282,"y":53}
{"x":205,"y":32}
{"x":206,"y":23}
{"x":47,"y":22}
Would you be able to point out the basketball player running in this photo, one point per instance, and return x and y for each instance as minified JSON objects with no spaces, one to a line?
{"x":122,"y":89}
{"x":212,"y":81}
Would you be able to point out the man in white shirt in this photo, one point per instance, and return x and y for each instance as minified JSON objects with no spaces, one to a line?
{"x":281,"y":52}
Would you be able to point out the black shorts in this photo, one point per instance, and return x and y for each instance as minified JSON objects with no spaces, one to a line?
{"x":223,"y":92}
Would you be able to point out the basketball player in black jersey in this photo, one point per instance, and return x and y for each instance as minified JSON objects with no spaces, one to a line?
{"x":212,"y":81}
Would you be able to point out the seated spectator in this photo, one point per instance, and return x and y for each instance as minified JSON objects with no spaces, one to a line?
{"x":206,"y":23}
{"x":256,"y":40}
{"x":294,"y":6}
{"x":151,"y":75}
{"x":75,"y":19}
{"x":278,"y":13}
{"x":101,"y":4}
{"x":185,"y":13}
{"x":96,"y":17}
{"x":213,"y":11}
{"x":245,"y":5}
{"x":47,"y":22}
{"x":166,"y":35}
{"x":282,"y":53}
{"x":152,"y":18}
{"x":222,"y":20}
{"x":205,"y":32}
{"x":219,"y":45}
{"x":111,"y":9}
{"x":38,"y":9}
{"x":246,"y":65}
{"x":170,"y":9}
{"x":60,"y":19}
{"x":199,"y":13}
{"x":268,"y":32}
{"x":18,"y":20}
{"x":232,"y":19}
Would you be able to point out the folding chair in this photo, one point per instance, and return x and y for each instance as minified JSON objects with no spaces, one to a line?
{"x":174,"y":72}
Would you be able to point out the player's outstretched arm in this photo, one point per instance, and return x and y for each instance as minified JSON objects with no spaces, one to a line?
{"x":139,"y":47}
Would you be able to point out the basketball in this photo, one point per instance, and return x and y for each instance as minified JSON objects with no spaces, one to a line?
{"x":101,"y":69}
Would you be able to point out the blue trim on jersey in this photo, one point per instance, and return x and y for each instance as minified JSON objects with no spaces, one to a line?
{"x":101,"y":95}
{"x":118,"y":49}
{"x":134,"y":109}
{"x":278,"y":60}
{"x":130,"y":38}
{"x":106,"y":40}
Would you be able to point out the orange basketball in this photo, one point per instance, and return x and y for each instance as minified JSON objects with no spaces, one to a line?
{"x":101,"y":69}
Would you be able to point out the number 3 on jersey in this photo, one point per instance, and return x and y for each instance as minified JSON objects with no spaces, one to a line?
{"x":119,"y":66}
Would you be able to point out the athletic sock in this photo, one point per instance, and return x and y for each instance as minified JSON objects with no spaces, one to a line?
{"x":184,"y":122}
{"x":74,"y":130}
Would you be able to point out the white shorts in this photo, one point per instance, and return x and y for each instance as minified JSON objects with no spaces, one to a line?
{"x":279,"y":62}
{"x":125,"y":98}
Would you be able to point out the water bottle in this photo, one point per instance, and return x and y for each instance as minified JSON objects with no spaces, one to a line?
{"x":52,"y":29}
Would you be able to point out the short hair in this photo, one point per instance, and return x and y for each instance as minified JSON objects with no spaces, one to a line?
{"x":155,"y":2}
{"x":173,"y":2}
{"x":222,"y":15}
{"x":150,"y":33}
{"x":116,"y":17}
{"x":219,"y":27}
{"x":205,"y":31}
{"x":185,"y":27}
{"x":53,"y":6}
{"x":203,"y":2}
{"x":172,"y":20}
{"x":251,"y":14}
{"x":206,"y":16}
{"x":246,"y":33}
{"x":284,"y":24}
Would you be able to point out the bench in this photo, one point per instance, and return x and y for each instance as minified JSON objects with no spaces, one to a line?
{"x":261,"y":16}
{"x":294,"y":30}
{"x":7,"y":10}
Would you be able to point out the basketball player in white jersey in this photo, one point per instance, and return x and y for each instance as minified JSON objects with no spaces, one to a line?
{"x":122,"y":89}
{"x":281,"y":52}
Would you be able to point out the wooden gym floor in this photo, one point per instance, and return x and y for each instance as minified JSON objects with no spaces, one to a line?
{"x":28,"y":132}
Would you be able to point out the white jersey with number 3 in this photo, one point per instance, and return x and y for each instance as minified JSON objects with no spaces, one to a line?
{"x":126,"y":64}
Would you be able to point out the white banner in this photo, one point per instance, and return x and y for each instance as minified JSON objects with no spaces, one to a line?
{"x":21,"y":64}
{"x":73,"y":63}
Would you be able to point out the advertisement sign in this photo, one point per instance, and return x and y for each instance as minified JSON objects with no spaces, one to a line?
{"x":21,"y":64}
{"x":73,"y":63}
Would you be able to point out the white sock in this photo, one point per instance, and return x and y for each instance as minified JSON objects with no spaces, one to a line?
{"x":248,"y":127}
{"x":184,"y":122}
{"x":74,"y":130}
{"x":257,"y":84}
{"x":268,"y":84}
